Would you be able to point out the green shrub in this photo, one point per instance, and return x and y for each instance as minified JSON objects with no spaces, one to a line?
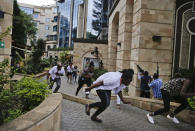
{"x":31,"y":92}
{"x":13,"y":114}
{"x":5,"y":104}
{"x":98,"y":72}
{"x":4,"y":73}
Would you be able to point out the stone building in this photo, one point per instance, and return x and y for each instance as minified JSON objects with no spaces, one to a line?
{"x":147,"y":32}
{"x":46,"y":20}
{"x":151,"y":31}
{"x":6,"y":16}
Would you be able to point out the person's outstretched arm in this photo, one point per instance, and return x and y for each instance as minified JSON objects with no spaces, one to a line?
{"x":121,"y":97}
{"x":94,"y":86}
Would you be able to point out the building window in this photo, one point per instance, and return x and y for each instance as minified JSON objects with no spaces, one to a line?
{"x":55,"y":19}
{"x":55,"y":28}
{"x":36,"y":15}
{"x":47,"y":27}
{"x":47,"y":19}
{"x":55,"y":37}
{"x":27,"y":10}
{"x":54,"y":46}
{"x":55,"y":10}
{"x":36,"y":23}
{"x":48,"y":47}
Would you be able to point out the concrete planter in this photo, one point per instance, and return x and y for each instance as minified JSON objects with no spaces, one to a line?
{"x":45,"y":117}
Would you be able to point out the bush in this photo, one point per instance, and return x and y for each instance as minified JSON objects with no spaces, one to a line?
{"x":23,"y":96}
{"x":98,"y":72}
{"x":31,"y":92}
{"x":5,"y":104}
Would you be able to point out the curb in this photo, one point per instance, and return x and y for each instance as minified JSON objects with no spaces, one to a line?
{"x":77,"y":99}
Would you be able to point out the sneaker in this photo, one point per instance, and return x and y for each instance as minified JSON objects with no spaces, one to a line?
{"x":174,"y":119}
{"x":150,"y":118}
{"x":93,"y":118}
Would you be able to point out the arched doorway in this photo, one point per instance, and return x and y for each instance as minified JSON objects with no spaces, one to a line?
{"x":184,"y":45}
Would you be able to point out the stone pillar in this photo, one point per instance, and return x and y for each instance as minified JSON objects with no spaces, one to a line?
{"x":150,"y":18}
{"x":80,"y":21}
{"x":112,"y":41}
{"x":85,"y":19}
{"x":124,"y":35}
{"x":71,"y":22}
{"x":7,"y":7}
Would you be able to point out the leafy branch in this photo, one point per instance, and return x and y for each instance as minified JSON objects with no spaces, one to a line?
{"x":4,"y":34}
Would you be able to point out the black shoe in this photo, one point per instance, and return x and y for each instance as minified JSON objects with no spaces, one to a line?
{"x":86,"y":111}
{"x":93,"y":118}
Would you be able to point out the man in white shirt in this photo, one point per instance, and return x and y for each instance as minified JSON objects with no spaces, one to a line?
{"x":55,"y":74}
{"x":104,"y":84}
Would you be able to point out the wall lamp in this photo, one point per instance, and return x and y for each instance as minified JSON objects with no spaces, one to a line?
{"x":156,"y":38}
{"x":95,"y":52}
{"x":119,"y":44}
{"x":2,"y":14}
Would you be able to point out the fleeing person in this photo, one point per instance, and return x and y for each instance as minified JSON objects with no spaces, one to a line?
{"x":182,"y":88}
{"x":85,"y":78}
{"x":145,"y":80}
{"x":156,"y":85}
{"x":69,"y":72}
{"x":74,"y":73}
{"x":54,"y":75}
{"x":104,"y":84}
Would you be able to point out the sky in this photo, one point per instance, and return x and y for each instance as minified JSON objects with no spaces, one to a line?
{"x":37,"y":2}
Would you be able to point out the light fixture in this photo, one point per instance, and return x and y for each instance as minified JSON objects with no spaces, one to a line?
{"x":1,"y":14}
{"x":156,"y":38}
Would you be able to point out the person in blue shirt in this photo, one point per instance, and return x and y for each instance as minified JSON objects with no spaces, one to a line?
{"x":156,"y":84}
{"x":145,"y":80}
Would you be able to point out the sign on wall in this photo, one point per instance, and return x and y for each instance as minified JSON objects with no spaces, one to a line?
{"x":2,"y":44}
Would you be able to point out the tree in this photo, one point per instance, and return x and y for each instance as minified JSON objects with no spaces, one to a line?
{"x":65,"y":57}
{"x":23,"y":26}
{"x":90,"y":36}
{"x":97,"y":12}
{"x":33,"y":63}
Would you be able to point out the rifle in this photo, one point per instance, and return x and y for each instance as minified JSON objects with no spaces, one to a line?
{"x":157,"y":71}
{"x":140,"y":69}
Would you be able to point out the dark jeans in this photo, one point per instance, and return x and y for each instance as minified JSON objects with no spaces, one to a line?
{"x":104,"y":96}
{"x":74,"y":75}
{"x":166,"y":100}
{"x":145,"y":94}
{"x":81,"y":82}
{"x":58,"y":83}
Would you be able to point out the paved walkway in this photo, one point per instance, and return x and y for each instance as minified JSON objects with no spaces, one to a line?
{"x":128,"y":118}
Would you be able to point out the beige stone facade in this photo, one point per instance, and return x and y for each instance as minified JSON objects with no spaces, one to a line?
{"x":7,"y":7}
{"x":133,"y":23}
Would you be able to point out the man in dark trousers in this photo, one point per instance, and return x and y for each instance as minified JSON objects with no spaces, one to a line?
{"x":85,"y":78}
{"x":54,"y":74}
{"x":104,"y":84}
{"x":145,"y":80}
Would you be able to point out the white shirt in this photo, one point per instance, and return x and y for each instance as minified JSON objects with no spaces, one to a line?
{"x":70,"y":69}
{"x":111,"y":81}
{"x":54,"y":70}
